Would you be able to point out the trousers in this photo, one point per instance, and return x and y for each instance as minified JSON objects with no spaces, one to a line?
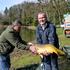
{"x":4,"y":62}
{"x":49,"y":63}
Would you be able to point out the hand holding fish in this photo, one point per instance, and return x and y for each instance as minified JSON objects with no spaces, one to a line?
{"x":32,"y":47}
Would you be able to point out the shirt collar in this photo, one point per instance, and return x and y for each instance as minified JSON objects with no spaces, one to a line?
{"x":45,"y":26}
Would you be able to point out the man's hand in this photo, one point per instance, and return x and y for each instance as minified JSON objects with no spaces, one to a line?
{"x":32,"y":47}
{"x":29,"y":44}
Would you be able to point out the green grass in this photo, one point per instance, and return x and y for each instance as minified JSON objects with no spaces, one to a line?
{"x":25,"y":60}
{"x":62,"y":39}
{"x":28,"y":58}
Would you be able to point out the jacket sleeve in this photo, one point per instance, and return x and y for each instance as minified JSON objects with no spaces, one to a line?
{"x":38,"y":36}
{"x":53,"y":39}
{"x":51,"y":36}
{"x":15,"y":40}
{"x":21,"y":43}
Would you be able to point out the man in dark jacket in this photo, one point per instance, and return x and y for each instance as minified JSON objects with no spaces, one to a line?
{"x":10,"y":39}
{"x":46,"y":34}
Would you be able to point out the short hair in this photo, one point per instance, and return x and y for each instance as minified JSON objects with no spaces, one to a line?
{"x":17,"y":22}
{"x":44,"y":13}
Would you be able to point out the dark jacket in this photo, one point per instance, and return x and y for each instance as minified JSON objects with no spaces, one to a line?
{"x":48,"y":35}
{"x":10,"y":39}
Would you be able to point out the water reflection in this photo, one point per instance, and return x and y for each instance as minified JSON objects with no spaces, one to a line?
{"x":27,"y":34}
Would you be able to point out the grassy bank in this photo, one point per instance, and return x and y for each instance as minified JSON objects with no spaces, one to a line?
{"x":62,"y":39}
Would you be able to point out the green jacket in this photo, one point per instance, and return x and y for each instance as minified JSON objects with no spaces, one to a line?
{"x":10,"y":39}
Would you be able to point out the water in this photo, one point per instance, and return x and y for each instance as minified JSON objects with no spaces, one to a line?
{"x":27,"y":35}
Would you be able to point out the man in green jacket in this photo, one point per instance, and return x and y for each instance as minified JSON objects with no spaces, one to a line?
{"x":10,"y":39}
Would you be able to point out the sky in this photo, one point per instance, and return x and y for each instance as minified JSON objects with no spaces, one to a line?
{"x":9,"y":3}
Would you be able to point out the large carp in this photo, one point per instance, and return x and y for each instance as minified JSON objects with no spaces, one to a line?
{"x":49,"y":48}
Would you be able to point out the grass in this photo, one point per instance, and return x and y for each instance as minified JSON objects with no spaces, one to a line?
{"x":28,"y":58}
{"x":62,"y":39}
{"x":24,"y":59}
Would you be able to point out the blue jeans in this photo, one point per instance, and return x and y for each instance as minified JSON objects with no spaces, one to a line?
{"x":49,"y":63}
{"x":4,"y":62}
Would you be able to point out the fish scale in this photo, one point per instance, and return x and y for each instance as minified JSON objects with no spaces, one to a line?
{"x":49,"y":48}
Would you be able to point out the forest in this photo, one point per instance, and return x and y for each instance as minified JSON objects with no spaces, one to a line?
{"x":27,"y":12}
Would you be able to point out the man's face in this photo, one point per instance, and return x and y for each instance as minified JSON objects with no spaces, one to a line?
{"x":41,"y":18}
{"x":17,"y":28}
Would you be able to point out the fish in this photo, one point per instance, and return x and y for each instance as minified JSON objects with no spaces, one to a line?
{"x":49,"y":48}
